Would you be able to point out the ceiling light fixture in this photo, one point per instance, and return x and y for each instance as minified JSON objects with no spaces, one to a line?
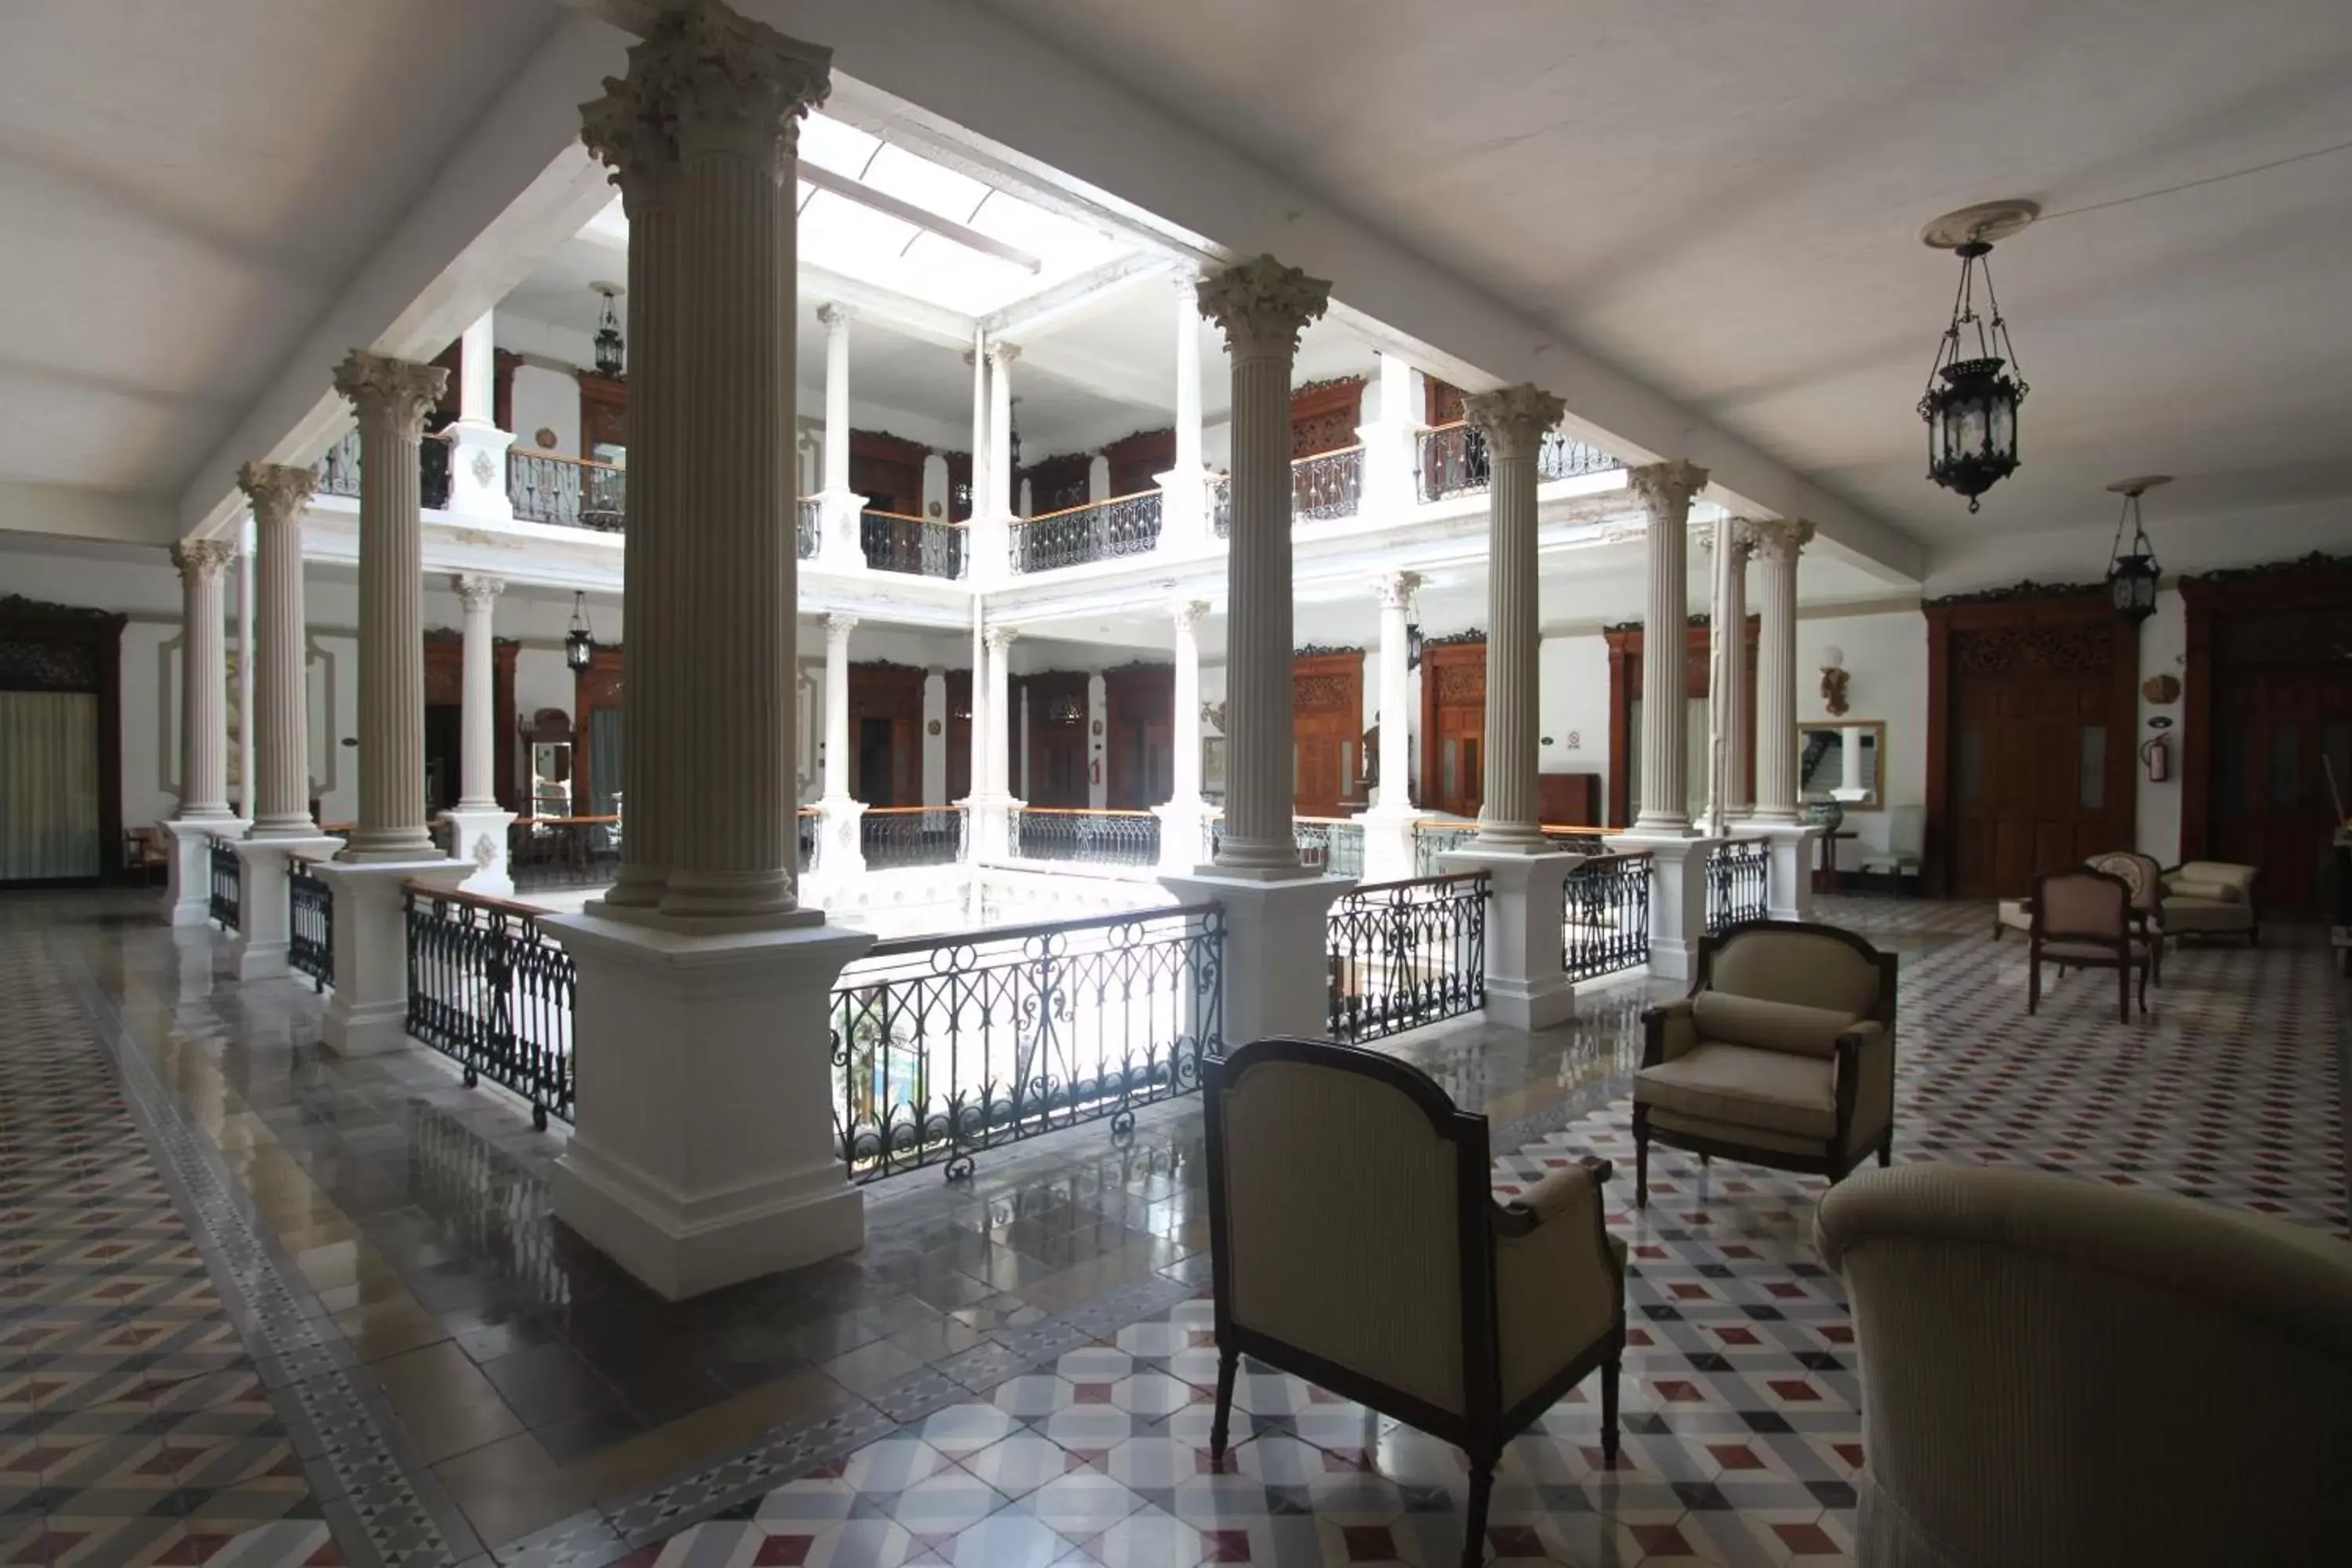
{"x":2132,"y":577}
{"x":579,"y":643}
{"x":612,"y":353}
{"x":1972,"y":415}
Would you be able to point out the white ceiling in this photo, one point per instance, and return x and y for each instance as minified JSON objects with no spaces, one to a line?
{"x":182,"y":201}
{"x":1725,"y":200}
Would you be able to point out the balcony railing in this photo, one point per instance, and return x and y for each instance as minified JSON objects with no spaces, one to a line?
{"x":1402,"y":954}
{"x":228,"y":885}
{"x":1328,"y":485}
{"x":563,"y":851}
{"x":948,"y":1045}
{"x":892,"y":836}
{"x":310,"y":923}
{"x":1737,"y":872}
{"x":1220,"y":504}
{"x":806,"y":824}
{"x":486,"y":989}
{"x":1605,"y":916}
{"x":805,"y":514}
{"x":1330,"y":844}
{"x":339,"y":471}
{"x":919,"y":546}
{"x":1099,"y":530}
{"x":569,"y":493}
{"x":1097,"y":838}
{"x":1436,"y":837}
{"x":1451,"y":459}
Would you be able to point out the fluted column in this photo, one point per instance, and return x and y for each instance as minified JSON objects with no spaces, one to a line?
{"x":1727,"y":674}
{"x":1388,"y":825}
{"x":477,"y":785}
{"x":1263,"y":306}
{"x":1000,"y":708}
{"x":839,"y":506}
{"x":203,"y":677}
{"x":992,"y":513}
{"x":391,"y":396}
{"x":1514,"y":420}
{"x":1666,"y":491}
{"x":279,"y":493}
{"x":1777,"y":547}
{"x":1181,"y":817}
{"x":837,"y":628}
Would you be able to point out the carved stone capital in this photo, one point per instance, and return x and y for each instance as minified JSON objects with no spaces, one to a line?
{"x":1782,"y":538}
{"x":1001,"y":354}
{"x":1666,"y":489}
{"x":1001,"y":637}
{"x":1188,"y":612}
{"x":1263,"y":306}
{"x":476,"y":590}
{"x":1515,"y":418}
{"x":728,"y":82}
{"x":390,"y":394}
{"x":276,"y":491}
{"x":836,"y":316}
{"x":1740,"y":534}
{"x":837,"y":628}
{"x":203,"y":557}
{"x":632,"y":131}
{"x":1396,"y":589}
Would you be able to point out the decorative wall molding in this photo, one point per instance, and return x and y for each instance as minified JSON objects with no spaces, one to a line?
{"x":2027,"y":589}
{"x":1322,"y":650}
{"x":2318,"y":563}
{"x":1456,"y":639}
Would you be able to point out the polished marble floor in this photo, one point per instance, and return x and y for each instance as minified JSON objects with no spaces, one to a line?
{"x":1011,"y":1370}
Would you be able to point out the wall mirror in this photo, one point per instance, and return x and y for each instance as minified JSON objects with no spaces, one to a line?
{"x":1842,"y":761}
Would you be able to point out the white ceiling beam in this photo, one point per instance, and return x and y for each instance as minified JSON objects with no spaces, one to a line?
{"x":1025,"y":320}
{"x":84,"y":513}
{"x":872,"y":302}
{"x":907,"y":212}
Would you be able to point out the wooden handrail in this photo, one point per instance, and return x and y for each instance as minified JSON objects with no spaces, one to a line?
{"x":1334,"y":452}
{"x":560,"y":821}
{"x":1079,"y":811}
{"x":907,"y":517}
{"x":477,"y":900}
{"x":1445,"y":880}
{"x":906,"y":810}
{"x":1449,"y":424}
{"x":1085,"y":506}
{"x":559,"y":457}
{"x":992,"y":935}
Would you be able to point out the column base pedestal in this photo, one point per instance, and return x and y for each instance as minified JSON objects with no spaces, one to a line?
{"x":1526,"y":986}
{"x":703,"y":1153}
{"x":840,"y":515}
{"x":841,"y":845}
{"x":1677,"y":896}
{"x":1788,"y":890}
{"x":477,"y":471}
{"x":1388,"y":852}
{"x":479,"y":839}
{"x":264,"y":915}
{"x":191,"y":901}
{"x":1183,"y":843}
{"x":368,"y":1012}
{"x":989,"y":819}
{"x":1276,"y":950}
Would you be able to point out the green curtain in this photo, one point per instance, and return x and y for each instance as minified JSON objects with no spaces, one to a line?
{"x":48,"y":785}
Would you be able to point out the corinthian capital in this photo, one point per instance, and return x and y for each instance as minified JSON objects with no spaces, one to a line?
{"x":276,"y":491}
{"x":203,"y":557}
{"x":1396,"y":589}
{"x":1263,"y":306}
{"x":1001,"y":636}
{"x":727,"y":81}
{"x":390,"y":394}
{"x":633,"y":132}
{"x":1002,"y":353}
{"x":476,"y":591}
{"x":1782,"y":538}
{"x":1666,"y":489}
{"x":1515,"y":418}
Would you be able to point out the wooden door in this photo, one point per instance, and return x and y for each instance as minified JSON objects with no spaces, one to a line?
{"x":1454,"y":726}
{"x":887,"y":472}
{"x":1138,"y":704}
{"x":1057,"y":738}
{"x":1327,"y":732}
{"x":2278,"y":733}
{"x":959,"y":734}
{"x":603,"y":417}
{"x":886,"y":733}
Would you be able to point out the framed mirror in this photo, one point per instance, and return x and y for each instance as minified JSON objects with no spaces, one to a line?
{"x":1841,"y":760}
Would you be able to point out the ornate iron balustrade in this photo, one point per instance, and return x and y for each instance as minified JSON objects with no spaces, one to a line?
{"x":1432,"y":840}
{"x":488,"y":991}
{"x":563,"y":851}
{"x":1099,"y":530}
{"x":1737,"y":871}
{"x":310,"y":923}
{"x":1097,"y":838}
{"x":918,"y":546}
{"x":227,"y":886}
{"x":1576,"y":840}
{"x":806,"y":825}
{"x":569,"y":493}
{"x":1220,"y":504}
{"x":892,"y":836}
{"x":1328,"y":485}
{"x":339,"y":471}
{"x":1563,"y":457}
{"x":1402,"y":954}
{"x":805,"y":514}
{"x":946,"y":1046}
{"x":1451,"y":459}
{"x":1605,"y":916}
{"x":1333,"y":844}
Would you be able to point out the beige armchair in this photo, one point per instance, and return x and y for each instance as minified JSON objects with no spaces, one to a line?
{"x":1357,"y":1244}
{"x":2059,"y":1374}
{"x":2212,"y":897}
{"x":1782,"y":1055}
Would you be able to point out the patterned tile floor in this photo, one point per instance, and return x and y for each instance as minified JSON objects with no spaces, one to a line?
{"x":1016,"y":1371}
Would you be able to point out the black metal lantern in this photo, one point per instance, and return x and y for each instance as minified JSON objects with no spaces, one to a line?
{"x":579,"y":643}
{"x":612,"y":351}
{"x":1973,"y":393}
{"x":2132,"y":571}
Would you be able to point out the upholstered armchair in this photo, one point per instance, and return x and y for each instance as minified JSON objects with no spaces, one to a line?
{"x":1782,"y":1055}
{"x":2145,"y":882}
{"x":1357,"y":1244}
{"x":2056,"y":1373}
{"x":2082,"y":919}
{"x":2212,"y":897}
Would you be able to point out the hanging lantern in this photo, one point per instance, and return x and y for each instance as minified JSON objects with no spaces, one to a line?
{"x":579,"y":643}
{"x":2132,"y":571}
{"x":1973,"y":393}
{"x":612,"y":351}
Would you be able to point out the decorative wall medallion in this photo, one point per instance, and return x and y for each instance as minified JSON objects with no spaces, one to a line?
{"x":483,"y":470}
{"x":934,"y":727}
{"x":1098,"y":726}
{"x":2161,"y":689}
{"x":485,"y":852}
{"x":933,"y":508}
{"x":543,"y":438}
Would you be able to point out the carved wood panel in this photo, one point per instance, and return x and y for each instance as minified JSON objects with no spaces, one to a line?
{"x":1324,"y":416}
{"x":1326,"y":729}
{"x":1454,"y":726}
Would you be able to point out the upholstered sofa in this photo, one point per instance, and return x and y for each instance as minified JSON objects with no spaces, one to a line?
{"x":1782,"y":1055}
{"x":2056,"y":1373}
{"x":2212,"y":897}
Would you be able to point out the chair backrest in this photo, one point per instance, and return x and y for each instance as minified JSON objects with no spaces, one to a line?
{"x":1794,"y":962}
{"x":1338,"y":1184}
{"x":2139,"y":872}
{"x":2079,"y":903}
{"x":1906,"y":830}
{"x":2025,"y":1342}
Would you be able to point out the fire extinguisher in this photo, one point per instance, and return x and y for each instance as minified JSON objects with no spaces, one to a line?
{"x":2157,"y":754}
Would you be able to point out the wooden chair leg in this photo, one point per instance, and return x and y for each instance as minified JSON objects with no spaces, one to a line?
{"x":1641,"y":1162}
{"x":1228,"y":1361}
{"x":2123,"y":989}
{"x":1609,"y":1411}
{"x":1886,"y":1148}
{"x":1473,"y":1518}
{"x":2143,"y":990}
{"x":2033,"y":982}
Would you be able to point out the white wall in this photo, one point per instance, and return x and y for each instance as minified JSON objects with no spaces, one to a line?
{"x":2163,"y":650}
{"x":1887,"y":663}
{"x":1573,"y":707}
{"x":546,"y":399}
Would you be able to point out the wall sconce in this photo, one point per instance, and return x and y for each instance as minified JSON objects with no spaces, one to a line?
{"x":1833,"y":680}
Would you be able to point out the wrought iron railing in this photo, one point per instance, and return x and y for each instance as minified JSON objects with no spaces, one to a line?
{"x":919,"y":546}
{"x":1563,"y":457}
{"x":945,"y":1046}
{"x":807,"y":511}
{"x":1099,"y":530}
{"x":808,"y":831}
{"x":227,"y":884}
{"x":1737,"y":871}
{"x":489,"y":991}
{"x":1432,"y":840}
{"x":339,"y":471}
{"x":911,"y":836}
{"x":1328,"y":485}
{"x":563,"y":851}
{"x":569,"y":492}
{"x":1330,"y":844}
{"x":310,"y":923}
{"x":1220,"y":504}
{"x":1605,"y":916}
{"x":1097,"y":838}
{"x":1402,"y":954}
{"x":1451,"y":459}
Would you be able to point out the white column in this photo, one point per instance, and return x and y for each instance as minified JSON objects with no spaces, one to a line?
{"x":1184,"y":497}
{"x":1276,"y":908}
{"x":935,"y":730}
{"x":1388,"y":825}
{"x":703,"y":1152}
{"x":1000,"y":708}
{"x":993,"y":509}
{"x":1789,"y":889}
{"x":844,"y":855}
{"x":991,"y":803}
{"x":1728,"y":675}
{"x":838,"y":546}
{"x":245,"y":654}
{"x":478,"y":447}
{"x":1389,"y":487}
{"x":478,"y":828}
{"x":1514,"y":421}
{"x":204,"y":812}
{"x":1180,"y":819}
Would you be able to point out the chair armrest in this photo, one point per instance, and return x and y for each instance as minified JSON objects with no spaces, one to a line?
{"x":1560,"y":1277}
{"x":1865,"y":1083}
{"x":1554,"y":1195}
{"x":1667,"y":1031}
